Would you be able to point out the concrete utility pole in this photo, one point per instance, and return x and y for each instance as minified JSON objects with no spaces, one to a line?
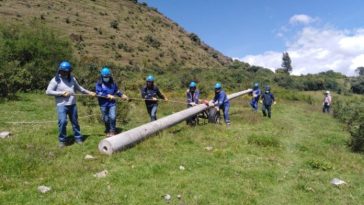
{"x":127,"y":139}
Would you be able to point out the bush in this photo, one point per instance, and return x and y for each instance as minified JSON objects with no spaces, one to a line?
{"x":29,"y":56}
{"x":194,"y":37}
{"x":114,"y":24}
{"x":152,"y":41}
{"x":352,"y":113}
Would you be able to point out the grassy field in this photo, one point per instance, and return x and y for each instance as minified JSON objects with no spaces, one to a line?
{"x":289,"y":159}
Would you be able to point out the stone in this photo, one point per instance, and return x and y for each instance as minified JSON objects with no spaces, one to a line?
{"x":89,"y":157}
{"x":101,"y":174}
{"x":4,"y":134}
{"x":44,"y":189}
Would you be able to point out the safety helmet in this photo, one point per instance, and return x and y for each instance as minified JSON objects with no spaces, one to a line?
{"x":267,"y":88}
{"x":193,"y":84}
{"x":218,"y":86}
{"x":150,"y":78}
{"x":256,"y":85}
{"x":65,"y":66}
{"x":105,"y":72}
{"x":327,"y":92}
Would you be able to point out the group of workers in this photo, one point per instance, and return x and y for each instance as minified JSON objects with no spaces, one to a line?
{"x":64,"y":87}
{"x":267,"y":99}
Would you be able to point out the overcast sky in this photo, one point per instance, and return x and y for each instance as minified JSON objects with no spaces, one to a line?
{"x":319,"y":35}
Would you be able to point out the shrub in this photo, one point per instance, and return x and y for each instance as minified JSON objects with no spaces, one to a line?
{"x":319,"y":164}
{"x":152,"y":41}
{"x":352,"y":113}
{"x":114,"y":24}
{"x":194,"y":37}
{"x":29,"y":56}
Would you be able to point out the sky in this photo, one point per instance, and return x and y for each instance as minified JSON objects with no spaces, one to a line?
{"x":319,"y":35}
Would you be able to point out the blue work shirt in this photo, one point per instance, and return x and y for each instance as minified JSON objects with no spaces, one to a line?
{"x":149,"y":93}
{"x":103,"y":89}
{"x":221,"y":99}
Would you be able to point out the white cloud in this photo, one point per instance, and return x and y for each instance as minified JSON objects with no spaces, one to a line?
{"x":318,"y":49}
{"x":301,"y":19}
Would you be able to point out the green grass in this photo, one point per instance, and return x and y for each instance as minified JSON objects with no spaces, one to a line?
{"x":289,"y":159}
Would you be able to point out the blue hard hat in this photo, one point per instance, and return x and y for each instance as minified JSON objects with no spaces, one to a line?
{"x":267,"y":88}
{"x":150,"y":78}
{"x":193,"y":84}
{"x":65,"y":66}
{"x":217,"y":85}
{"x":105,"y":71}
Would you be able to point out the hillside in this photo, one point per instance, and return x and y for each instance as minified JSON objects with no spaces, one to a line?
{"x":121,"y":32}
{"x":289,"y":159}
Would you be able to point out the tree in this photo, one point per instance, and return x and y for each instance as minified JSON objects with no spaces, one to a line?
{"x":286,"y":62}
{"x":360,"y":71}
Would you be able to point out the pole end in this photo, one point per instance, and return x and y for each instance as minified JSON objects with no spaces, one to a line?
{"x":105,"y":147}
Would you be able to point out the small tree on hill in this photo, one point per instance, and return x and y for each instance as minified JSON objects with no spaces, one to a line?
{"x":360,"y":71}
{"x":286,"y":62}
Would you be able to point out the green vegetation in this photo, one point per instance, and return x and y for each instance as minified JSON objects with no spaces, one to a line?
{"x":351,"y":112}
{"x":28,"y":57}
{"x":289,"y":159}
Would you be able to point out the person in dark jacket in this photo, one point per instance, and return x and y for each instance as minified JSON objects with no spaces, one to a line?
{"x":151,"y":93}
{"x":107,"y":90}
{"x":256,"y":95}
{"x":222,"y":102}
{"x":192,"y":95}
{"x":64,"y":86}
{"x":267,"y":100}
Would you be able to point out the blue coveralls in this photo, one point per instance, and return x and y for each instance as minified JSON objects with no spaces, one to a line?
{"x":254,"y":102}
{"x":222,"y":102}
{"x":268,"y":99}
{"x":148,"y":93}
{"x":107,"y":106}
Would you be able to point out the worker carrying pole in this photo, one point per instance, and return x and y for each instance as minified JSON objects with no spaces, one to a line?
{"x":129,"y":138}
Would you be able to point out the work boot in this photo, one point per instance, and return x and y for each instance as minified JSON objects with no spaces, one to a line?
{"x":79,"y":141}
{"x":62,"y":145}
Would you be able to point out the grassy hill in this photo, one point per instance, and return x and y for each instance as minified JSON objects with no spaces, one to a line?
{"x":289,"y":159}
{"x":120,"y":32}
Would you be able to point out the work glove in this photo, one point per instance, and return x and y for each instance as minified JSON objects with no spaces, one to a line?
{"x":124,"y":97}
{"x":211,"y":104}
{"x":217,"y":108}
{"x":93,"y":94}
{"x":165,"y":99}
{"x":274,"y":102}
{"x":110,"y":97}
{"x":66,"y":94}
{"x":261,"y":101}
{"x":154,"y":99}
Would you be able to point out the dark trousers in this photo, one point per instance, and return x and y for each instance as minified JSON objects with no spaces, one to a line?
{"x":191,"y":120}
{"x":326,"y":108}
{"x":267,"y":109}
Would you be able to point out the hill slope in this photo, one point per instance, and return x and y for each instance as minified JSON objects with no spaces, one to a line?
{"x":289,"y":159}
{"x":121,"y":32}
